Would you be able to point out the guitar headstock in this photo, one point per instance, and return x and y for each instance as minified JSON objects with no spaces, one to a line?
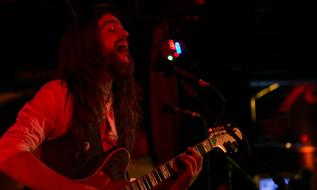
{"x":225,"y":137}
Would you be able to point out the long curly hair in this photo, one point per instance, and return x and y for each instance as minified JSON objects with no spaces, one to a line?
{"x":81,"y":60}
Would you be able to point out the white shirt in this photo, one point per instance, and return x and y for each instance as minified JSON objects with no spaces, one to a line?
{"x":47,"y":117}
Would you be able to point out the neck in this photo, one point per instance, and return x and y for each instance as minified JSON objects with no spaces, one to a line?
{"x":106,"y":87}
{"x":105,"y":81}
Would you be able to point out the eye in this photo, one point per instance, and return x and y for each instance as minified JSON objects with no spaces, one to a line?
{"x":108,"y":27}
{"x":111,"y":28}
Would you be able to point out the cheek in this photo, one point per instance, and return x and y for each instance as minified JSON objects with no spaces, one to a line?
{"x":107,"y":47}
{"x":107,"y":43}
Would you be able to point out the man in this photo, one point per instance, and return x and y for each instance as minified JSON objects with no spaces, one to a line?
{"x":93,"y":108}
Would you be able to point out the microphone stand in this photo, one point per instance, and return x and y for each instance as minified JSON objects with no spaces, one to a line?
{"x":232,"y":164}
{"x":186,"y":76}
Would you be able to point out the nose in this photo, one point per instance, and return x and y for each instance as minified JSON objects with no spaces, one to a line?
{"x":125,"y":33}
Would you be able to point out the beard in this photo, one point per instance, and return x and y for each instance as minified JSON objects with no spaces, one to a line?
{"x":119,"y":67}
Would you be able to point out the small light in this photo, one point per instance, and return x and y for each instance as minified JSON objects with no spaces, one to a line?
{"x":170,"y":58}
{"x":288,"y":145}
{"x":304,"y":138}
{"x":176,"y":55}
{"x":171,"y":44}
{"x":178,"y":48}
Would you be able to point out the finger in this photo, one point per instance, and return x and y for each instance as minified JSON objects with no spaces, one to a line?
{"x":197,"y":157}
{"x":189,"y":162}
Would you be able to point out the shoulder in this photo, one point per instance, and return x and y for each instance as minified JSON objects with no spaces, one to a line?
{"x":51,"y":90}
{"x":54,"y":86}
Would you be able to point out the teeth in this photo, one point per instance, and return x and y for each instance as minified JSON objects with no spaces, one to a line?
{"x":122,"y":47}
{"x":124,"y":43}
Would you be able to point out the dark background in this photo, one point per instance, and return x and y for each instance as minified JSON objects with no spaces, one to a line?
{"x":228,"y":43}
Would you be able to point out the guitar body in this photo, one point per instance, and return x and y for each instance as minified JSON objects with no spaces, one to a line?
{"x":110,"y":171}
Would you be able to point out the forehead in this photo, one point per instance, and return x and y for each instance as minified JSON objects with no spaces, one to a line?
{"x":108,"y":18}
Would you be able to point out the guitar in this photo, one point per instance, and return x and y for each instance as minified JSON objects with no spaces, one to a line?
{"x":111,"y":172}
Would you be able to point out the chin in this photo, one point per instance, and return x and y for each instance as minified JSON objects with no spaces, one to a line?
{"x":124,"y":68}
{"x":124,"y":59}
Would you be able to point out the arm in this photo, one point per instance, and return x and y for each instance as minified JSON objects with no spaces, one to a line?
{"x":27,"y":169}
{"x":37,"y":121}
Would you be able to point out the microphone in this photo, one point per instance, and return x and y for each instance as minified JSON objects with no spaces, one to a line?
{"x":173,"y":109}
{"x":185,"y":75}
{"x":170,"y":70}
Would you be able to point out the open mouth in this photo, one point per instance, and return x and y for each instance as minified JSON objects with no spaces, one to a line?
{"x":123,"y":47}
{"x":123,"y":51}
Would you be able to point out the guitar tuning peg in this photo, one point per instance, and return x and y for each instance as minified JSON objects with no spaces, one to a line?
{"x":229,"y":124}
{"x":235,"y":144}
{"x":230,"y":147}
{"x":209,"y":130}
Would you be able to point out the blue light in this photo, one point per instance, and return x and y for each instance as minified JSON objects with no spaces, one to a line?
{"x":268,"y":184}
{"x":178,"y":48}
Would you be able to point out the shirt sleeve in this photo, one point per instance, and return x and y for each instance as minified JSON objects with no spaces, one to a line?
{"x":36,"y":121}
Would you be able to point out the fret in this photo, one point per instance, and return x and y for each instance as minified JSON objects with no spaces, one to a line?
{"x":160,"y":174}
{"x":164,"y":171}
{"x":153,"y":179}
{"x":149,"y":181}
{"x":207,"y":146}
{"x":137,"y":185}
{"x":169,"y":167}
{"x":157,"y":176}
{"x":146,"y":185}
{"x":201,"y":149}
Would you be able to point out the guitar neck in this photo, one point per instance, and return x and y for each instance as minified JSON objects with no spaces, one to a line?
{"x":165,"y":171}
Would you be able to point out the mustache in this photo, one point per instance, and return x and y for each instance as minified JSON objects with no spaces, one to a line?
{"x":123,"y":39}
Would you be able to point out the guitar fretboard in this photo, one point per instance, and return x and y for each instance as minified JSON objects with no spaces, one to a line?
{"x":164,"y":171}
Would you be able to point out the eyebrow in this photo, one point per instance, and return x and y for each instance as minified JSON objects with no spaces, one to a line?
{"x":110,"y":22}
